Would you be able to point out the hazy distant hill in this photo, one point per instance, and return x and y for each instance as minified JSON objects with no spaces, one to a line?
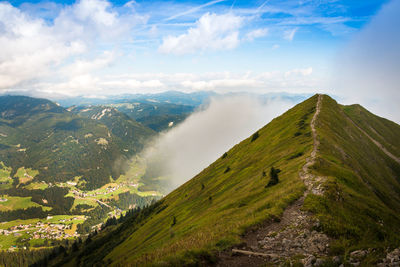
{"x":319,"y":181}
{"x":173,"y":97}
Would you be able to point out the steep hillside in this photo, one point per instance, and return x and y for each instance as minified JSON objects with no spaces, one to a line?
{"x":361,"y":204}
{"x":216,"y":206}
{"x":38,"y":134}
{"x":132,"y":135}
{"x":321,"y":180}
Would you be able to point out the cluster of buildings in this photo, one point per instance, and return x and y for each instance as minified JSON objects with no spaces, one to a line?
{"x":41,"y":230}
{"x":5,"y":182}
{"x":53,"y":231}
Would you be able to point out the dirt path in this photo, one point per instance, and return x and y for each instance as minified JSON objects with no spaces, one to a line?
{"x":294,"y":234}
{"x":102,"y":203}
{"x":313,"y":183}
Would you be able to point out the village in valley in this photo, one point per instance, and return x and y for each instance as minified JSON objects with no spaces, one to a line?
{"x":39,"y":232}
{"x":35,"y":231}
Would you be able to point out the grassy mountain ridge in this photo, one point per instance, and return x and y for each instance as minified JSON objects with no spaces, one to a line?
{"x":217,"y":205}
{"x":362,"y":203}
{"x":359,"y":207}
{"x":384,"y":131}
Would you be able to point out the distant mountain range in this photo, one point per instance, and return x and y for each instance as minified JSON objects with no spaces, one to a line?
{"x":319,"y":184}
{"x":173,"y":97}
{"x":194,"y":99}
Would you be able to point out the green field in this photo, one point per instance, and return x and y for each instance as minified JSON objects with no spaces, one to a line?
{"x":36,"y":185}
{"x":16,"y":203}
{"x":137,"y":168}
{"x":5,"y":179}
{"x":25,"y":175}
{"x":7,"y":241}
{"x":4,"y":170}
{"x":79,"y":201}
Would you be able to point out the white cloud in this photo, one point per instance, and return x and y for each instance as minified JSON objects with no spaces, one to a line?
{"x":131,"y":85}
{"x":202,"y":138}
{"x":95,"y":11}
{"x":212,"y":31}
{"x":303,"y":72}
{"x":289,"y":34}
{"x":222,"y":84}
{"x":83,"y":82}
{"x":250,"y":36}
{"x":290,"y":81}
{"x":80,"y":66}
{"x":32,"y":48}
{"x":28,"y":47}
{"x":367,"y":70}
{"x":296,"y":80}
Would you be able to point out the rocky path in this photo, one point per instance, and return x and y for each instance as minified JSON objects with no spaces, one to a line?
{"x":294,"y":234}
{"x":313,"y":183}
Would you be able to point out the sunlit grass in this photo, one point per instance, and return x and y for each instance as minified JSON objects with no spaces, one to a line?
{"x":214,"y":208}
{"x":16,"y":203}
{"x":361,"y":207}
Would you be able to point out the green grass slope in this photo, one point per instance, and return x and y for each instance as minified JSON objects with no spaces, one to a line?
{"x":361,"y":207}
{"x":210,"y":211}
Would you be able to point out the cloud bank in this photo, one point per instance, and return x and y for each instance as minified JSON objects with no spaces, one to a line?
{"x":80,"y":82}
{"x":367,"y":71}
{"x":204,"y":136}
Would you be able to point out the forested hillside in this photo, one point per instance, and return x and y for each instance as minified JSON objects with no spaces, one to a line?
{"x":60,"y":145}
{"x":156,"y":115}
{"x":132,"y":136}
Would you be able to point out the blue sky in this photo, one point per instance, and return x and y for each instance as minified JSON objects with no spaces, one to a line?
{"x":99,"y":47}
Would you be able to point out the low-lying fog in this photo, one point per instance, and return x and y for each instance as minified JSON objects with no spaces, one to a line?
{"x":203,"y":137}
